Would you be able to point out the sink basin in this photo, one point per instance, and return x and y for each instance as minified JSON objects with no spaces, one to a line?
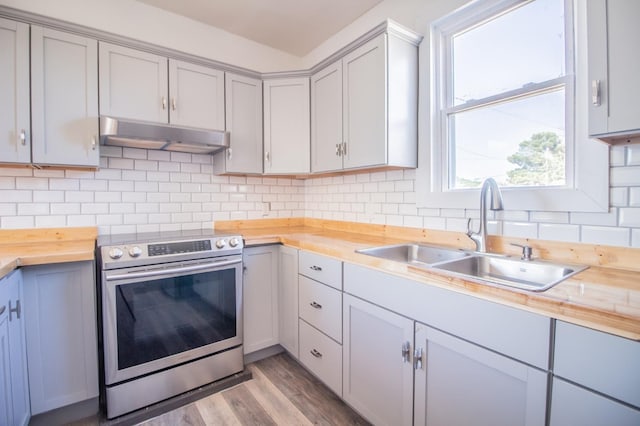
{"x":419,"y":254}
{"x":528,"y":275}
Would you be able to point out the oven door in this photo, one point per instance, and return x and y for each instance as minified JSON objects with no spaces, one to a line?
{"x":158,"y":316}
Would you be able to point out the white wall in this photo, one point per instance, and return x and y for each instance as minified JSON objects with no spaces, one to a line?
{"x":142,"y":22}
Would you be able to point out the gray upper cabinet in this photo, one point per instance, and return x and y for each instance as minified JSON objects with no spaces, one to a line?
{"x":143,"y":86}
{"x":286,"y":126}
{"x":613,"y":35}
{"x":64,"y":98}
{"x":133,"y":84}
{"x":326,"y":119}
{"x":196,"y":95}
{"x":364,"y":107}
{"x":15,"y":141}
{"x":243,"y":104}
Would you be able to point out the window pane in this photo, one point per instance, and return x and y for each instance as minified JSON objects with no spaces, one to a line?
{"x":523,"y":46}
{"x":519,"y":143}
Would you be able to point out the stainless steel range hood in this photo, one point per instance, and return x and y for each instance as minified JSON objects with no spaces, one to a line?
{"x":149,"y":135}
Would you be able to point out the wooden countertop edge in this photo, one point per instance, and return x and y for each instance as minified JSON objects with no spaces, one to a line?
{"x":539,"y":303}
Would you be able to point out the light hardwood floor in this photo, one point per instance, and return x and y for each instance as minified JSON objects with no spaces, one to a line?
{"x":280,"y":393}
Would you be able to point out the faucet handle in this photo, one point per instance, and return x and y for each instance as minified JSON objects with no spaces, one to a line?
{"x":527,"y":251}
{"x":469,"y":231}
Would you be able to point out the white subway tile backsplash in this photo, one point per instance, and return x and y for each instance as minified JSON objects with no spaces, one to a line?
{"x":94,"y":185}
{"x":48,"y":173}
{"x":550,"y":217}
{"x":66,"y":209}
{"x":15,"y":172}
{"x":635,"y":238}
{"x":630,"y":217}
{"x":634,"y":197}
{"x":600,"y":219}
{"x":556,"y":232}
{"x":50,"y":221}
{"x":78,"y":196}
{"x":33,"y":209}
{"x":520,"y":229}
{"x":64,"y":184}
{"x":633,"y":155}
{"x":17,"y":222}
{"x":606,"y":235}
{"x":8,"y":209}
{"x":48,"y":196}
{"x":21,"y":196}
{"x":625,"y":176}
{"x":31,"y":183}
{"x":617,"y":156}
{"x":7,"y":182}
{"x":619,"y":196}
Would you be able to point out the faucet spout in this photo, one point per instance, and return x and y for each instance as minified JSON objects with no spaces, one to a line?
{"x":489,"y":187}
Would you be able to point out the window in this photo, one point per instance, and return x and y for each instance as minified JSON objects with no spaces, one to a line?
{"x":503,"y":103}
{"x":506,"y":83}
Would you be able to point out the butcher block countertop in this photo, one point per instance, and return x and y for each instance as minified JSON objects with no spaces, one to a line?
{"x":45,"y":245}
{"x":604,"y":297}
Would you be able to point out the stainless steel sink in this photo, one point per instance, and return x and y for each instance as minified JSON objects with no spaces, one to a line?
{"x":419,"y":254}
{"x":528,"y":275}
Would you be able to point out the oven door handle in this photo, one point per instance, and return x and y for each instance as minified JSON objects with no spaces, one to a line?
{"x":158,"y":272}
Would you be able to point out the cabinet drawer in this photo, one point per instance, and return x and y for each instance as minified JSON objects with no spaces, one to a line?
{"x":321,"y":268}
{"x":322,"y":356}
{"x":321,"y":306}
{"x":597,"y":360}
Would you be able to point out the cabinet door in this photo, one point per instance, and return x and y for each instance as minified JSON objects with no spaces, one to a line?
{"x":575,"y":406}
{"x":196,"y":95}
{"x":377,"y":369}
{"x":64,"y":98}
{"x":6,"y":403}
{"x":365,"y":99}
{"x":17,"y":350}
{"x":286,"y":126}
{"x":15,"y":141}
{"x":133,"y":84}
{"x":326,"y":119}
{"x":459,"y":383}
{"x":288,"y":300}
{"x":614,"y":63}
{"x":244,"y":122}
{"x":260,"y":297}
{"x":61,"y":334}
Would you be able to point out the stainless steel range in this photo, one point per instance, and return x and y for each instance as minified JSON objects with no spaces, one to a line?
{"x":171,"y":314}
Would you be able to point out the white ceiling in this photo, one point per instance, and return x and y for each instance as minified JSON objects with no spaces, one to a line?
{"x":294,"y":26}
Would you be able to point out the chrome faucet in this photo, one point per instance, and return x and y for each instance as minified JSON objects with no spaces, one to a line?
{"x":480,"y":237}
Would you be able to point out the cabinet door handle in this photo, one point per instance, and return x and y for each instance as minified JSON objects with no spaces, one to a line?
{"x":338,"y":149}
{"x":15,"y":310}
{"x":164,"y":102}
{"x":315,"y":268}
{"x":315,"y":305}
{"x":315,"y":353}
{"x":173,"y":104}
{"x":23,"y":137}
{"x":406,"y":352}
{"x":229,"y":153}
{"x":417,"y":359}
{"x":595,"y":92}
{"x":267,"y":157}
{"x":94,"y":142}
{"x":344,"y":148}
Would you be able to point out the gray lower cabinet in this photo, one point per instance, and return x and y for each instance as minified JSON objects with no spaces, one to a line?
{"x":260,"y":297}
{"x":572,"y":405}
{"x":458,"y":383}
{"x":596,"y":378}
{"x":288,"y":300}
{"x":377,"y":368}
{"x":14,"y":392}
{"x":60,"y":315}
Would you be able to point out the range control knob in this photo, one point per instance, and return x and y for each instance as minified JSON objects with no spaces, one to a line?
{"x":221,"y":243}
{"x":234,"y":242}
{"x":135,"y":251}
{"x":115,"y":253}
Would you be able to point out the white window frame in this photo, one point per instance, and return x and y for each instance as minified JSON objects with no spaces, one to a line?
{"x":587,"y":166}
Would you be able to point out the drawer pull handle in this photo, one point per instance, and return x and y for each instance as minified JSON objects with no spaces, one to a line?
{"x":315,"y":353}
{"x":315,"y":268}
{"x":315,"y":305}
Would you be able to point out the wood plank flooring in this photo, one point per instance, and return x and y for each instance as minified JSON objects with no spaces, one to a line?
{"x":280,"y":393}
